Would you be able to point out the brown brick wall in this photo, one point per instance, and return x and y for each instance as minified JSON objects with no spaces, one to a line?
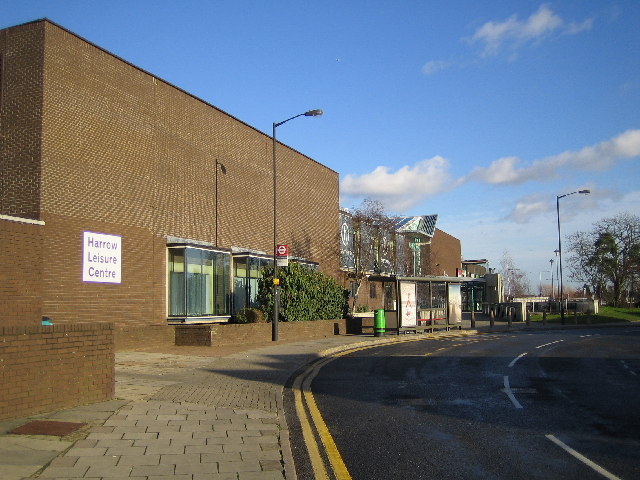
{"x":20,"y":273}
{"x":446,"y":251}
{"x":138,"y":300}
{"x":129,"y":149}
{"x":21,"y":58}
{"x":128,"y":338}
{"x":124,"y":153}
{"x":43,"y":369}
{"x":254,"y":333}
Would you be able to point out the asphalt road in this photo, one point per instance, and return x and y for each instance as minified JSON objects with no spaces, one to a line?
{"x":554,"y":404}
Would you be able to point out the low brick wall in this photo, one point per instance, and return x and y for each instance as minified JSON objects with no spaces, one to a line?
{"x":149,"y":336}
{"x":254,"y":333}
{"x":43,"y":369}
{"x":360,"y":325}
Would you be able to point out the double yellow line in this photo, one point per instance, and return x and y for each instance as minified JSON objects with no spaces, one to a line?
{"x":302,"y":396}
{"x":306,"y":407}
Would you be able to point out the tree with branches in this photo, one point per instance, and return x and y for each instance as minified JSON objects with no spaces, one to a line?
{"x":607,"y":258}
{"x":517,"y":284}
{"x":373,"y":243}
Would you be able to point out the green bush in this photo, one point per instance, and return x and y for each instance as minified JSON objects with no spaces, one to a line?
{"x":305,"y":294}
{"x":249,"y":315}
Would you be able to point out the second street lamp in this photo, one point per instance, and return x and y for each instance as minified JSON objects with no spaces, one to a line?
{"x":276,"y":280}
{"x":583,"y":192}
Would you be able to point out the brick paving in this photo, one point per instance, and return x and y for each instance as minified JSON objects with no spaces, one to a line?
{"x":195,"y":417}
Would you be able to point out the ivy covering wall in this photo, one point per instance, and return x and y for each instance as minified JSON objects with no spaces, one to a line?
{"x":305,"y":294}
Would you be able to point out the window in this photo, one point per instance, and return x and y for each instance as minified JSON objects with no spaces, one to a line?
{"x":198,"y":282}
{"x":247,"y":271}
{"x":372,"y":290}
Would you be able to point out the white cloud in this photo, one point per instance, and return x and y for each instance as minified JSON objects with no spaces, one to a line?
{"x":512,"y":32}
{"x":528,"y":207}
{"x":402,"y":189}
{"x":599,"y":157}
{"x":538,"y":204}
{"x":434,"y":66}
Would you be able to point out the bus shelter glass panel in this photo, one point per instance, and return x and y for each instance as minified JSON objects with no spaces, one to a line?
{"x":455,"y":303}
{"x":473,"y":296}
{"x":439,"y":300}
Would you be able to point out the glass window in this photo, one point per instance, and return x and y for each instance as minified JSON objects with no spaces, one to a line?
{"x":240,"y":267}
{"x":198,"y":282}
{"x":255,"y":267}
{"x":247,"y":271}
{"x":176,"y":282}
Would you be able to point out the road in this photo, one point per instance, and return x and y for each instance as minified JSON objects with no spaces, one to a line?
{"x":550,"y":404}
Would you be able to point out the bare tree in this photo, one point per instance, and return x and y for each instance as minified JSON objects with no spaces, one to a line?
{"x":517,"y":284}
{"x":373,"y":243}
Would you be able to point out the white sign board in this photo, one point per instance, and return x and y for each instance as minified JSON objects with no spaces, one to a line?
{"x":408,"y":302}
{"x":101,"y":258}
{"x":282,"y":255}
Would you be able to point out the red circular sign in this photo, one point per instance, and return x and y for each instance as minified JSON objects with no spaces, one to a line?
{"x":282,"y":250}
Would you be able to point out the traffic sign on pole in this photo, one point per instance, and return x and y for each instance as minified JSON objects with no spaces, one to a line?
{"x":282,"y":255}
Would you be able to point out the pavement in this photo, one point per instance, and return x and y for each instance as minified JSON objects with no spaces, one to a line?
{"x":185,"y":413}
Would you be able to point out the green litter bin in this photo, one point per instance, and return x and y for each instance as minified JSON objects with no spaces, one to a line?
{"x":379,"y":323}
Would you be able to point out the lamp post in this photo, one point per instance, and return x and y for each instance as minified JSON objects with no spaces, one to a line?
{"x":558,"y":197}
{"x":224,"y":171}
{"x":551,"y":268}
{"x":276,"y":280}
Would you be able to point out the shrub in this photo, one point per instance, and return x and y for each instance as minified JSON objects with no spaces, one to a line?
{"x":249,"y":315}
{"x":305,"y":294}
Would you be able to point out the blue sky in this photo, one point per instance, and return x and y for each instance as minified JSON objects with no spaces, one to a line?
{"x":480,"y":112}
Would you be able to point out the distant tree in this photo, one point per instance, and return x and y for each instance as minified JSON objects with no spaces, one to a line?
{"x":607,"y":258}
{"x":516,"y":280}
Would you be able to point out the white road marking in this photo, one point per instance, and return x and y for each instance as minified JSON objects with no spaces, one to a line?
{"x":513,"y":362}
{"x":583,"y":459}
{"x":509,"y":392}
{"x":626,"y":366}
{"x":550,"y":343}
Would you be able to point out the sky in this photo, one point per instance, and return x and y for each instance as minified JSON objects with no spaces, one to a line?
{"x":480,"y":112}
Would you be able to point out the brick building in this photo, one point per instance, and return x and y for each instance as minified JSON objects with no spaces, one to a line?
{"x":125,"y":199}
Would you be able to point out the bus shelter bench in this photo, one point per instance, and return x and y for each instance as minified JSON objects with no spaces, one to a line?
{"x":416,"y":329}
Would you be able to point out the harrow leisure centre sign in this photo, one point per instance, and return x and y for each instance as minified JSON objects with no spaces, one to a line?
{"x":101,"y":258}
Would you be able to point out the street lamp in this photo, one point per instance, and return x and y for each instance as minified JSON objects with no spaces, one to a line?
{"x":551,"y":267}
{"x":558,"y":197}
{"x":276,"y":280}
{"x":224,"y":171}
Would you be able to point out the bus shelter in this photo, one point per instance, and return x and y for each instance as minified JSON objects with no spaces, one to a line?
{"x":424,"y":303}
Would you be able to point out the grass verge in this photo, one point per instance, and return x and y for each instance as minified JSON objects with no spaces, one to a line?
{"x":606,"y":315}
